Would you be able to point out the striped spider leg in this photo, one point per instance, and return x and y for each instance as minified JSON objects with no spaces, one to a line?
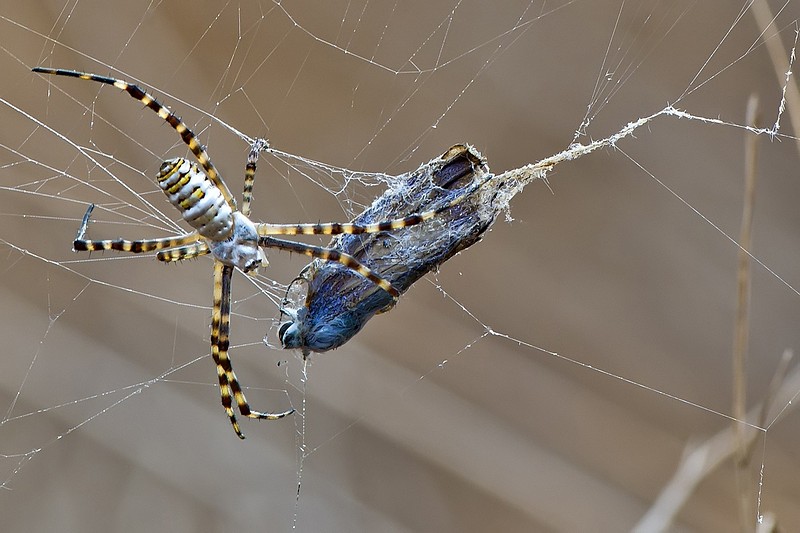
{"x":224,"y":232}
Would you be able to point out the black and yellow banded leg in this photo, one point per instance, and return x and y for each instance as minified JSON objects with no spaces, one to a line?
{"x":335,"y":228}
{"x":220,"y":335}
{"x":250,"y":174}
{"x":162,"y":111}
{"x":190,"y":251}
{"x":219,"y":340}
{"x":81,"y":244}
{"x":329,"y":254}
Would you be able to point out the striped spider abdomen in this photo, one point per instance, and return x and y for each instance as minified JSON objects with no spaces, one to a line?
{"x":200,"y":201}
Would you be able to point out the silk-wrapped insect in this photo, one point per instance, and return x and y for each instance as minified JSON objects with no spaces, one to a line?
{"x":338,"y":302}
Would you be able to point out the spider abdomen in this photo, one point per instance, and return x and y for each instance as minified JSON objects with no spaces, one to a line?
{"x":200,"y":202}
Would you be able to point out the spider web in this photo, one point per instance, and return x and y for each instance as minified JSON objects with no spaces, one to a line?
{"x":550,"y":378}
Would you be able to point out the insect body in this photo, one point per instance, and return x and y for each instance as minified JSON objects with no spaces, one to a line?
{"x":226,"y":233}
{"x":338,"y":303}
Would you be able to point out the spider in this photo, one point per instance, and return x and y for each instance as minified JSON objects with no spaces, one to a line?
{"x":226,"y":233}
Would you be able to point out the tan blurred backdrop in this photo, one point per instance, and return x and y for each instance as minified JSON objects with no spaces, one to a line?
{"x":423,"y":422}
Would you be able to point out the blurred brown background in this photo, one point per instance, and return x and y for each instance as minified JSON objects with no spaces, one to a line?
{"x":423,"y":422}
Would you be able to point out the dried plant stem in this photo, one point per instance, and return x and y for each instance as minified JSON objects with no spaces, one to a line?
{"x":700,"y":459}
{"x":744,"y":476}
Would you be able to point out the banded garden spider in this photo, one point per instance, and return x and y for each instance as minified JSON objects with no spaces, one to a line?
{"x":225,"y":232}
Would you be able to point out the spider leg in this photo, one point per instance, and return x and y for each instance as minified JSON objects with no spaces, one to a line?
{"x":220,"y":332}
{"x":162,"y":111}
{"x":250,"y":174}
{"x":219,"y":339}
{"x":334,"y":228}
{"x":80,"y":244}
{"x":329,"y":254}
{"x":190,"y":251}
